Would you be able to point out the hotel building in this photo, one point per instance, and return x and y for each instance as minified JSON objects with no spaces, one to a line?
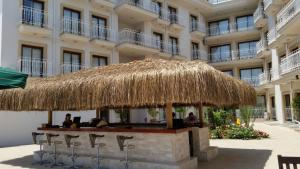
{"x":252,"y":40}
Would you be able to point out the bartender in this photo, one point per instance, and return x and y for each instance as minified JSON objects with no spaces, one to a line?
{"x":68,"y":122}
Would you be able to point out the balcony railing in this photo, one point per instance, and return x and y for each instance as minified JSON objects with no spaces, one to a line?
{"x":68,"y":67}
{"x":259,"y":13}
{"x":261,"y":45}
{"x":141,"y":39}
{"x":197,"y":26}
{"x":232,"y":27}
{"x":288,"y":113}
{"x":216,"y":2}
{"x":34,"y":17}
{"x":152,"y":7}
{"x":164,"y":15}
{"x":199,"y":55}
{"x":254,"y":81}
{"x":267,"y":3}
{"x":272,"y":35}
{"x":225,"y":57}
{"x":73,"y":26}
{"x":259,"y":112}
{"x":290,"y":63}
{"x":232,"y":55}
{"x":101,"y":33}
{"x":287,"y":13}
{"x":246,"y":54}
{"x":264,"y":78}
{"x":33,"y":67}
{"x":172,"y":49}
{"x":175,"y":19}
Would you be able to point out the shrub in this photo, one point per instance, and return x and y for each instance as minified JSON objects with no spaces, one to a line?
{"x":246,"y":115}
{"x":296,"y":106}
{"x":237,"y":132}
{"x":222,"y":118}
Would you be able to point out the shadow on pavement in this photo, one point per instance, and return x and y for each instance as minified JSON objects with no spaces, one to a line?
{"x":23,"y":162}
{"x":238,"y":159}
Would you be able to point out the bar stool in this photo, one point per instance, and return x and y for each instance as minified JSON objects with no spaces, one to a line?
{"x":41,"y":152}
{"x":125,"y":146}
{"x":72,"y":145}
{"x":54,"y":143}
{"x":99,"y":145}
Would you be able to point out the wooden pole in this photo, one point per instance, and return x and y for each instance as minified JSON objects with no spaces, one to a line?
{"x":201,"y":120}
{"x":50,"y":117}
{"x":169,"y":116}
{"x":98,"y":111}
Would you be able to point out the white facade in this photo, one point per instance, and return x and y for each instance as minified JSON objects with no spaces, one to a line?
{"x":57,"y":36}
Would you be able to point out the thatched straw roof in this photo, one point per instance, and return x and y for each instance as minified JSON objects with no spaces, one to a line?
{"x":150,"y":82}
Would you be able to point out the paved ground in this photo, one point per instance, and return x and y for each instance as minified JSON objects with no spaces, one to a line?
{"x":234,"y":154}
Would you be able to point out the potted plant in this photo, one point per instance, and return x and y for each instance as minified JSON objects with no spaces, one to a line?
{"x":153,"y":114}
{"x":124,"y":114}
{"x":181,"y":111}
{"x":296,"y":107}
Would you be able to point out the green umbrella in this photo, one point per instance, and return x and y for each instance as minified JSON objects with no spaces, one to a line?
{"x":11,"y":79}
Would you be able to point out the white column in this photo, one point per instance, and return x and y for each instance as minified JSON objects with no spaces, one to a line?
{"x":287,"y":50}
{"x":291,"y":99}
{"x":234,"y":50}
{"x":236,"y":73}
{"x":275,"y":63}
{"x":269,"y":104}
{"x":280,"y":116}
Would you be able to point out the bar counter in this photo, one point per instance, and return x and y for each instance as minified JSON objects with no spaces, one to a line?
{"x":153,"y":147}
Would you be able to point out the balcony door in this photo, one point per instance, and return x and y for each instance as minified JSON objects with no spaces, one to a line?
{"x":33,"y":12}
{"x":158,"y":6}
{"x":220,"y":53}
{"x":72,"y":21}
{"x":244,"y":22}
{"x":195,"y":50}
{"x":172,"y":14}
{"x":251,"y":75}
{"x":99,"y":25}
{"x":71,"y":61}
{"x":193,"y":23}
{"x":99,"y":61}
{"x":32,"y":61}
{"x":247,"y":49}
{"x":218,"y":27}
{"x":174,"y":45}
{"x":158,"y":37}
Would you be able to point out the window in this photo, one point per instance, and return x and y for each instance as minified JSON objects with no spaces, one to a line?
{"x":228,"y":72}
{"x":251,"y":75}
{"x":99,"y":26}
{"x":71,"y":61}
{"x":195,"y":50}
{"x":71,"y":21}
{"x":99,"y":61}
{"x":32,"y":61}
{"x":158,"y":37}
{"x":33,"y":13}
{"x":287,"y":100}
{"x":261,"y":101}
{"x":194,"y":23}
{"x":174,"y":45}
{"x":220,"y":53}
{"x":136,"y":2}
{"x":172,"y":14}
{"x":218,"y":27}
{"x":247,"y":49}
{"x":244,"y":22}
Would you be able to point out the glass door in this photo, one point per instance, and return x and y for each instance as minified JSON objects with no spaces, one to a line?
{"x":174,"y":45}
{"x":71,"y":62}
{"x":99,"y":25}
{"x":32,"y":60}
{"x":158,"y":38}
{"x":33,"y":12}
{"x":72,"y":22}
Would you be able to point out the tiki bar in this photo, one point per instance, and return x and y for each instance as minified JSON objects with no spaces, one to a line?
{"x":146,"y":84}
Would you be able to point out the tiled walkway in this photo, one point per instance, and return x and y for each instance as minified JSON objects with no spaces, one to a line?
{"x":234,"y":154}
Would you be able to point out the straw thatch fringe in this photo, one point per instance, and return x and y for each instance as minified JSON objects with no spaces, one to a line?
{"x":150,"y":82}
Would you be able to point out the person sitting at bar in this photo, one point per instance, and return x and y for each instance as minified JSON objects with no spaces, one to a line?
{"x":191,"y":119}
{"x":68,"y":122}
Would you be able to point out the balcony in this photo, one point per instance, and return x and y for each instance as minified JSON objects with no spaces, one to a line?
{"x":176,"y":22}
{"x":34,"y":22}
{"x":74,"y":30}
{"x":235,"y":57}
{"x":132,"y":11}
{"x":137,"y":44}
{"x":69,"y":68}
{"x":233,"y":31}
{"x":262,"y":48}
{"x":272,"y":6}
{"x":33,"y":67}
{"x":253,"y":81}
{"x":272,"y":36}
{"x":163,"y":18}
{"x":260,"y":19}
{"x":217,"y":2}
{"x":197,"y":29}
{"x":105,"y":3}
{"x":199,"y":55}
{"x":291,"y":63}
{"x":288,"y":19}
{"x":264,"y":78}
{"x":104,"y":37}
